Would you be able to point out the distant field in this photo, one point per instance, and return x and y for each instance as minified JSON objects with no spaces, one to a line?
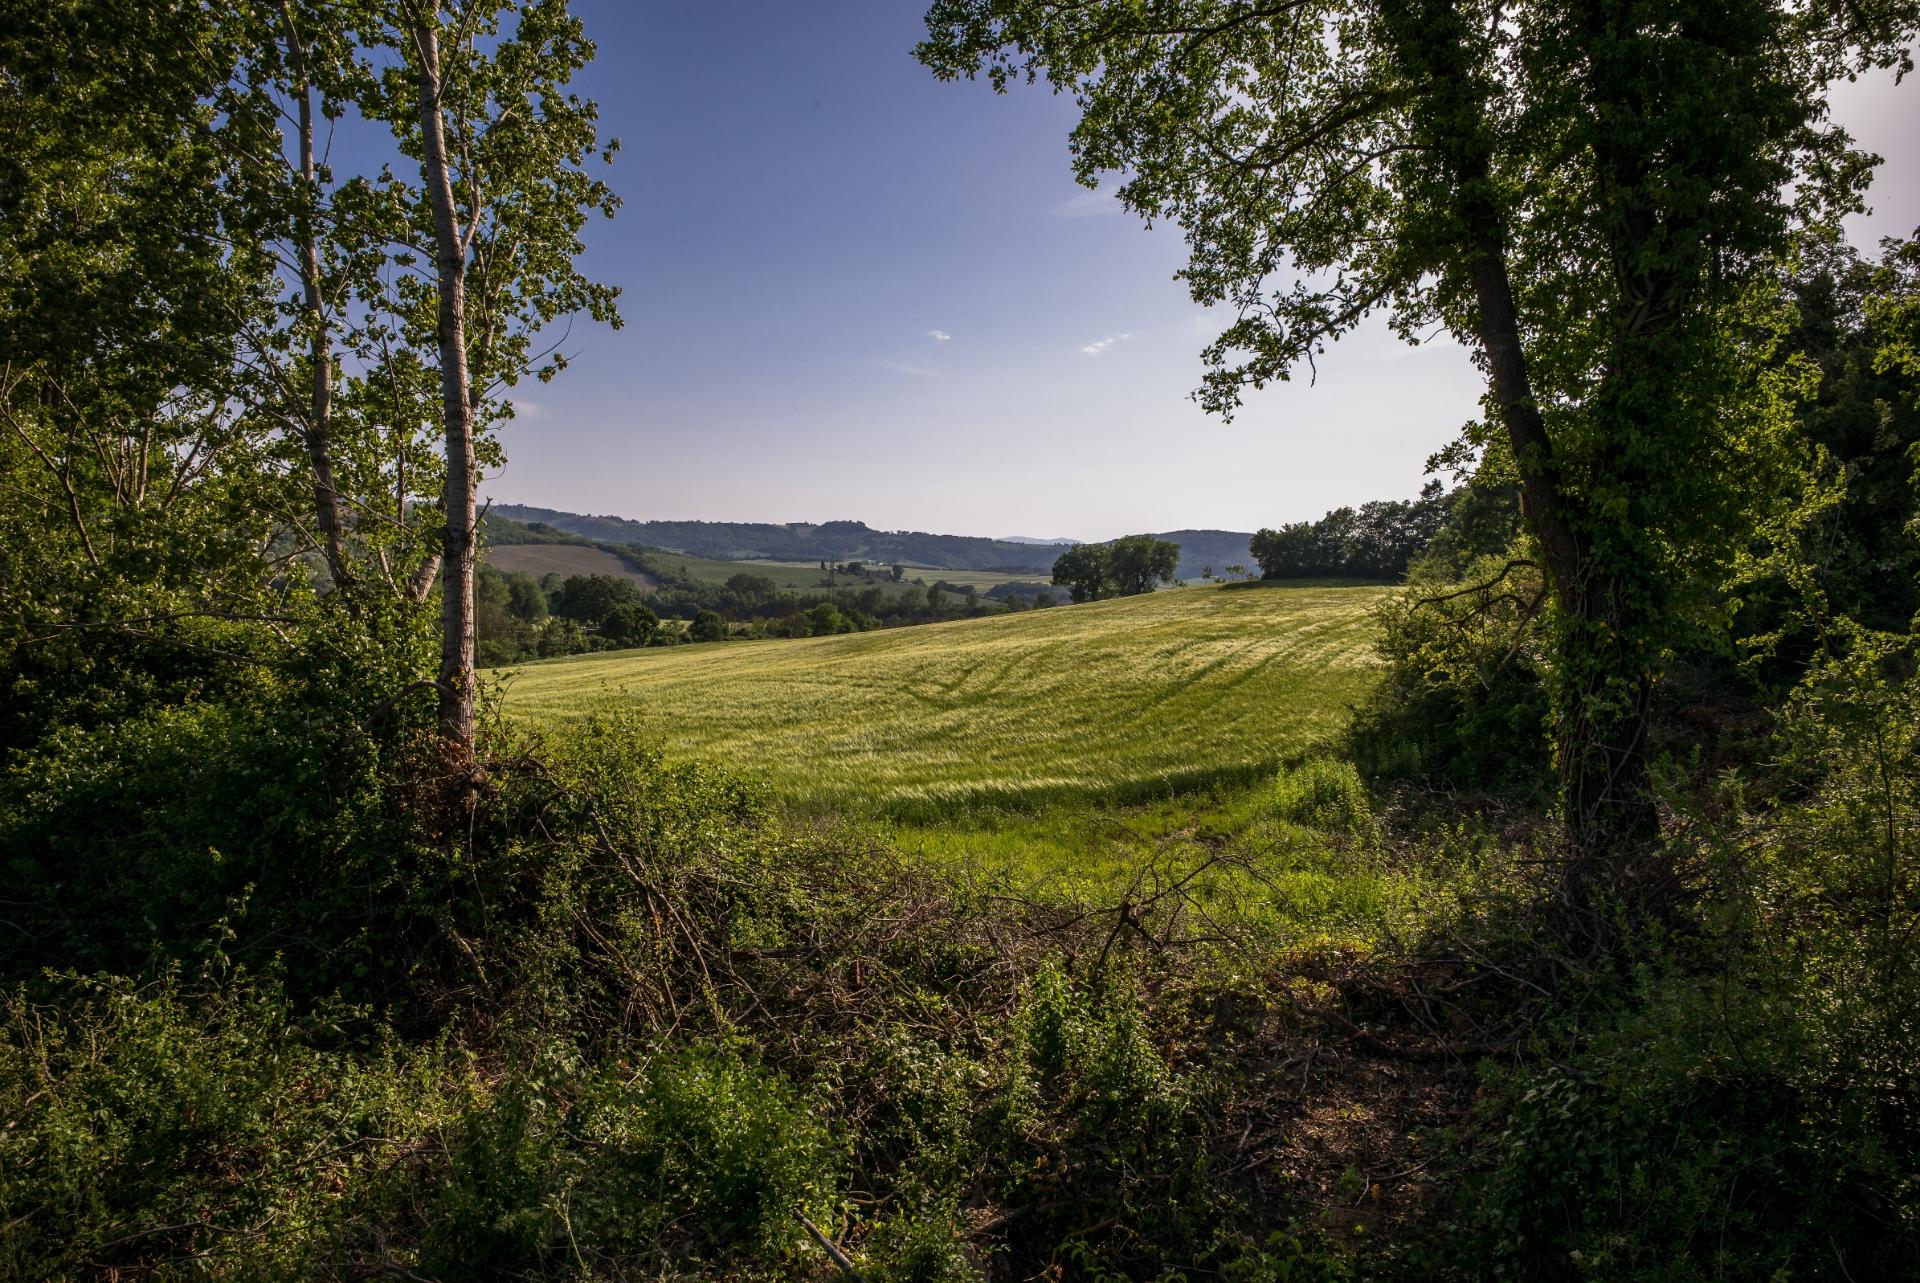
{"x":1114,"y":700}
{"x":539,"y":559}
{"x":805,"y":576}
{"x":790,"y":575}
{"x":981,"y":579}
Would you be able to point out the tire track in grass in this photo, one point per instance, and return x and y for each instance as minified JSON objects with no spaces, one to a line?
{"x":1094,"y":699}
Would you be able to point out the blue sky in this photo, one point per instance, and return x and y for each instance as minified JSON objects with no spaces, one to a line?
{"x":853,"y":292}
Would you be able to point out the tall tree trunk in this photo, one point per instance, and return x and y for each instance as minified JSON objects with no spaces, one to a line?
{"x":458,"y":542}
{"x":1603,"y":680}
{"x":318,"y":433}
{"x":1603,"y":683}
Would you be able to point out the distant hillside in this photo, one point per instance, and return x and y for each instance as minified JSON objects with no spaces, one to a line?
{"x":855,"y":540}
{"x":540,"y":559}
{"x":831,"y":541}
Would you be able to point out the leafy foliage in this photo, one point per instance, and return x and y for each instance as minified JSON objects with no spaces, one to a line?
{"x":1378,"y":541}
{"x":1124,"y":567}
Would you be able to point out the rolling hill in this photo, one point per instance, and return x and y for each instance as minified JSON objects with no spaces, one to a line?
{"x":797,"y":542}
{"x":1117,"y":699}
{"x":808,"y":544}
{"x":565,"y":559}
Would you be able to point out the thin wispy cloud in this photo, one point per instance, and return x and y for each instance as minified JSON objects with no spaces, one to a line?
{"x":1088,"y":205}
{"x":917,"y":371}
{"x":938,"y":336}
{"x":524,"y":409}
{"x":1100,"y":345}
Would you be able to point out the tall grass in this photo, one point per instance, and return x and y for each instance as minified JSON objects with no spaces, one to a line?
{"x":1118,"y":701}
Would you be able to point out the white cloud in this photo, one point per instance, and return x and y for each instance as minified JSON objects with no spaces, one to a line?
{"x":918,"y":371}
{"x":1095,"y":204}
{"x":1100,"y":345}
{"x":938,"y":336}
{"x":524,"y":409}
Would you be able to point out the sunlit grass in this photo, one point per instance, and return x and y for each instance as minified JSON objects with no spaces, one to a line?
{"x":1119,"y":702}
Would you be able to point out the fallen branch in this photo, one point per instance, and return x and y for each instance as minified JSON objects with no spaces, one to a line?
{"x":832,"y":1249}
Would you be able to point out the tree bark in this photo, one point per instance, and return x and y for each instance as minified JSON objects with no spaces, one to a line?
{"x":458,"y":541}
{"x":318,"y":434}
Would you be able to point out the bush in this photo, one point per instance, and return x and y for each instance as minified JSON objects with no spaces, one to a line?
{"x":199,"y":1129}
{"x":1747,"y":1112}
{"x":702,"y":1156}
{"x":1464,"y":701}
{"x":1324,"y":793}
{"x":189,"y":1129}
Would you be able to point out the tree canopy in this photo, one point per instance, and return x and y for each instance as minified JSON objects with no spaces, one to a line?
{"x":1376,"y":541}
{"x":1592,"y":197}
{"x":1124,"y":567}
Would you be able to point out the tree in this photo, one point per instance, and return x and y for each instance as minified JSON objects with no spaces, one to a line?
{"x":140,"y":552}
{"x":524,"y":597}
{"x":1866,"y":416}
{"x":1082,"y":571}
{"x":708,"y":626}
{"x":1375,"y":542}
{"x":591,"y":599}
{"x":751,"y":589}
{"x":480,"y":100}
{"x":1124,"y":568}
{"x":824,"y":619}
{"x":1140,"y":563}
{"x":1588,"y":194}
{"x":630,"y":624}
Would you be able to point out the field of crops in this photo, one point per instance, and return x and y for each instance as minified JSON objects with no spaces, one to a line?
{"x":1116,"y":700}
{"x":539,"y":559}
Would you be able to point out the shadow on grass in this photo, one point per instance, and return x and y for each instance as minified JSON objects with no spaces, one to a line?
{"x":1241,"y":585}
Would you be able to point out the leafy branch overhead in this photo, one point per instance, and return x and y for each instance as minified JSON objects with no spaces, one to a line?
{"x":1592,"y":198}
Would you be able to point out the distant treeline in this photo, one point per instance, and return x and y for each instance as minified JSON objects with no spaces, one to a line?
{"x":828,"y":541}
{"x":836,"y":541}
{"x":522,"y":617}
{"x":1374,"y":541}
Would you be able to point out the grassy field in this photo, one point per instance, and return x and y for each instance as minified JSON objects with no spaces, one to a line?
{"x":981,"y":579}
{"x":1112,"y":701}
{"x":539,"y":559}
{"x":806,"y":576}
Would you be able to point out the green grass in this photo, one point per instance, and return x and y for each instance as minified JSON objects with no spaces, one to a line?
{"x":1112,"y":702}
{"x":806,"y":576}
{"x":539,"y":559}
{"x":790,"y":576}
{"x":981,"y":579}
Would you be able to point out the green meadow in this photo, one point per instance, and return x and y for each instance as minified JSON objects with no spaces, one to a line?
{"x":1114,"y":701}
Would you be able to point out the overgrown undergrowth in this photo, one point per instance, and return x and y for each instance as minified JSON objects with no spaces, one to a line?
{"x":608,"y":1016}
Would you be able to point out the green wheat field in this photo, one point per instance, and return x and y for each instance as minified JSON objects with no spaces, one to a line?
{"x":1122,"y":700}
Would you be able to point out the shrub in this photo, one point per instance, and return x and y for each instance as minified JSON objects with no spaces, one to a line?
{"x":185,"y":1128}
{"x":702,"y":1156}
{"x":1464,"y":700}
{"x":1324,"y":793}
{"x":1749,"y":1113}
